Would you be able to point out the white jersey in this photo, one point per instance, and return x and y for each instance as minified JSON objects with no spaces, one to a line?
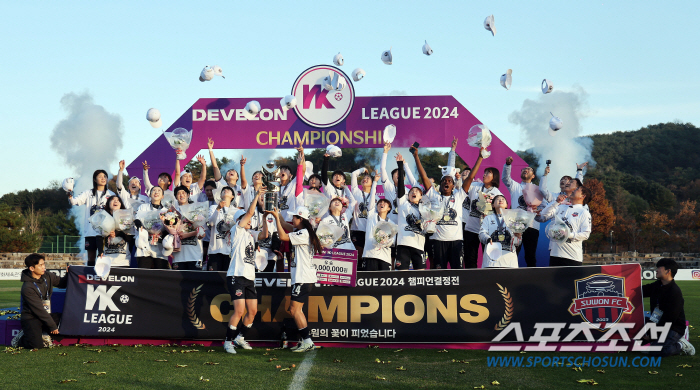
{"x":410,"y":229}
{"x":449,"y":227}
{"x":265,"y":244}
{"x":363,"y":201}
{"x":494,"y":228}
{"x":473,"y":222}
{"x":302,"y":267}
{"x":389,"y":187}
{"x":343,"y":221}
{"x":129,"y":200}
{"x":516,"y":194}
{"x":93,"y":204}
{"x":578,"y":219}
{"x":242,"y":252}
{"x":551,"y":196}
{"x":288,"y":200}
{"x":117,"y":250}
{"x":152,"y":250}
{"x":190,"y":247}
{"x":147,"y":185}
{"x":218,"y":237}
{"x":371,"y":249}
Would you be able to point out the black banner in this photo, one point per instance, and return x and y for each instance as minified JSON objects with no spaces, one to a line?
{"x":398,"y":307}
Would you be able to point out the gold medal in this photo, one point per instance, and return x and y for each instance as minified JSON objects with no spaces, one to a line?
{"x":501,"y":237}
{"x":446,"y":218}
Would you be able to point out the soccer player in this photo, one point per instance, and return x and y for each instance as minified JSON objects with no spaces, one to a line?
{"x":532,"y":234}
{"x":132,"y":197}
{"x":363,"y":199}
{"x":94,"y":200}
{"x":447,"y":239}
{"x":577,"y":217}
{"x":390,"y":186}
{"x":185,"y":177}
{"x":410,"y":238}
{"x":306,"y":244}
{"x":117,"y":242}
{"x":550,"y":196}
{"x":152,"y":257}
{"x":218,"y":253}
{"x":336,"y":216}
{"x":240,"y":279}
{"x":36,"y":316}
{"x":376,"y":258}
{"x":164,"y":180}
{"x":190,"y":253}
{"x":494,"y":229}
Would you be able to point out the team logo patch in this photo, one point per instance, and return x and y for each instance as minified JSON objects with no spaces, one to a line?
{"x":574,"y":215}
{"x":239,"y":293}
{"x":601,"y":301}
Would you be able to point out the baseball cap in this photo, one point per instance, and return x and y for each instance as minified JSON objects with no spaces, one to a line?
{"x":288,"y":102}
{"x":238,"y":215}
{"x":389,"y":133}
{"x":387,"y":57}
{"x":555,"y":123}
{"x":427,"y":50}
{"x":334,"y":151}
{"x":506,"y":79}
{"x":338,"y":59}
{"x":218,"y":71}
{"x":206,"y":74}
{"x":547,"y":86}
{"x":153,"y":116}
{"x":358,"y":74}
{"x":489,"y":24}
{"x":302,"y":212}
{"x":252,"y":108}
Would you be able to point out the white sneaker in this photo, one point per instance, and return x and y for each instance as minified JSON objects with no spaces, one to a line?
{"x":686,"y":347}
{"x":305,"y":346}
{"x":16,"y":339}
{"x":228,"y":347}
{"x":294,"y":348}
{"x":241,"y":343}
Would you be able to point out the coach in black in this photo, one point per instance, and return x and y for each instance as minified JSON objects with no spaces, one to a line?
{"x":36,"y":315}
{"x":667,"y":306}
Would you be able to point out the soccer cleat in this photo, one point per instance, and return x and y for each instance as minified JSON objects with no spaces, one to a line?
{"x":241,"y":343}
{"x":15,"y":340}
{"x":686,"y":347}
{"x":306,"y":345}
{"x":294,"y":348}
{"x":228,"y":347}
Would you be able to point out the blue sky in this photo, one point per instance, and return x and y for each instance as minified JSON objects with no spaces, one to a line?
{"x":635,"y":60}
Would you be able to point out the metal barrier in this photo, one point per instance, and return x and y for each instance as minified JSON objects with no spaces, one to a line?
{"x":60,"y":244}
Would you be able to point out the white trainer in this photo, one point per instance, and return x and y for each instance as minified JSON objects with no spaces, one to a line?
{"x":305,"y":346}
{"x":15,"y":340}
{"x":241,"y":343}
{"x":686,"y":347}
{"x":228,"y":347}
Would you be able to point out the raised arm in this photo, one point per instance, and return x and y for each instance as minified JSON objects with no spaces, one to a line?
{"x":421,"y":171}
{"x":251,"y":209}
{"x":353,"y":177}
{"x":579,"y":170}
{"x":409,"y":175}
{"x":324,"y":169}
{"x":264,"y":231}
{"x":543,"y":186}
{"x":301,"y":165}
{"x":203,"y":174}
{"x":215,"y":166}
{"x":176,"y":181}
{"x":385,"y":177}
{"x":120,"y":176}
{"x":507,"y":180}
{"x":146,"y":181}
{"x":451,"y":156}
{"x":468,"y":182}
{"x":400,"y":187}
{"x":281,"y":225}
{"x":244,"y":181}
{"x":372,"y":193}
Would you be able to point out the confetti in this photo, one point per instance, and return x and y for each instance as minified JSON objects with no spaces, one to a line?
{"x":399,"y":350}
{"x":601,"y":371}
{"x":495,"y":383}
{"x":63,"y":354}
{"x":278,"y":366}
{"x":272,"y":359}
{"x":95,"y":350}
{"x":678,"y":374}
{"x":372,"y":346}
{"x":477,"y":387}
{"x":379,"y":378}
{"x":588,"y":381}
{"x":337,"y":361}
{"x":294,"y":365}
{"x":579,"y":369}
{"x":400,"y":368}
{"x":161,"y":360}
{"x":523,"y":352}
{"x":211,"y":350}
{"x":286,"y":369}
{"x":460,"y":361}
{"x":98,"y":373}
{"x":181,"y":365}
{"x":653,"y":372}
{"x":463,"y":372}
{"x":90,"y":361}
{"x":68,"y":380}
{"x":201,"y":378}
{"x":211,"y":363}
{"x":684,"y":366}
{"x":443,"y":351}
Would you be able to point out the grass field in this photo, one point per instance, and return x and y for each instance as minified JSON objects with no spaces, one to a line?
{"x":9,"y":293}
{"x":136,"y":367}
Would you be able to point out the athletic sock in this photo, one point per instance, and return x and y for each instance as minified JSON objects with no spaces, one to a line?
{"x":231,"y":333}
{"x":244,"y":330}
{"x":304,"y":333}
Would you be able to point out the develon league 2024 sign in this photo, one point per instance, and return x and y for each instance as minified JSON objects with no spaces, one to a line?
{"x":323,"y":117}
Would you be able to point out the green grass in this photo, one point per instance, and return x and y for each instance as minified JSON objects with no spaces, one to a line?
{"x":425,"y":368}
{"x":9,"y":293}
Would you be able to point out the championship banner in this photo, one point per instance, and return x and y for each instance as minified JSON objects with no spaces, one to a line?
{"x":434,"y":306}
{"x":337,"y":267}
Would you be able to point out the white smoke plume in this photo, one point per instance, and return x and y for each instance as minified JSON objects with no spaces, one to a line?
{"x":567,"y":147}
{"x":87,"y":139}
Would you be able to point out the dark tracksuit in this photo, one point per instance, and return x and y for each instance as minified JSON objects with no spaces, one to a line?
{"x":35,"y":319}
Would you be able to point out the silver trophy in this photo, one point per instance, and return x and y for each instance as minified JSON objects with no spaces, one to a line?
{"x":271,"y":174}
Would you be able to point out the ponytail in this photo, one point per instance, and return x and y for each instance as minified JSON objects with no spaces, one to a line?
{"x":313,"y":238}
